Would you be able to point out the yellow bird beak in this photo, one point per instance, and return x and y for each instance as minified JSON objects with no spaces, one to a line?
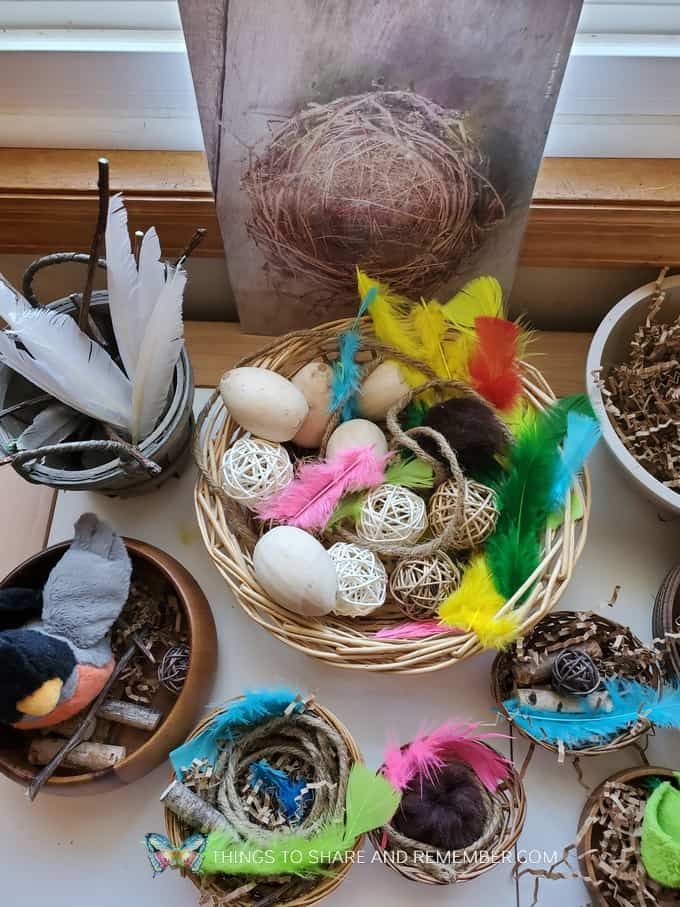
{"x":45,"y":698}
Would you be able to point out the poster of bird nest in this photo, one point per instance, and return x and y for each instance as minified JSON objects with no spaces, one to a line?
{"x":402,"y":137}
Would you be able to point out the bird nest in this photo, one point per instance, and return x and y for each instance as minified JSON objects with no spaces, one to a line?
{"x":388,"y":180}
{"x":230,"y":533}
{"x":618,"y":653}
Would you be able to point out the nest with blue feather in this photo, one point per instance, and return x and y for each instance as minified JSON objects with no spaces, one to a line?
{"x":631,"y":685}
{"x":230,"y":532}
{"x":285,"y":774}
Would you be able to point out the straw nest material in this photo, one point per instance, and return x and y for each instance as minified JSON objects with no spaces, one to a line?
{"x":623,"y":655}
{"x":230,"y":531}
{"x":386,"y":180}
{"x":311,"y":743}
{"x":504,"y":820}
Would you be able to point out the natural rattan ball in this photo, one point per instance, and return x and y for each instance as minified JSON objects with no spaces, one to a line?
{"x":392,"y":513}
{"x":253,"y":470}
{"x":479,"y":514}
{"x":419,"y":584}
{"x":575,"y":673}
{"x":362,"y":580}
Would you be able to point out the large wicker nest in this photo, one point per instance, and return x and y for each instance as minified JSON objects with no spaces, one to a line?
{"x":311,"y":743}
{"x":388,"y":180}
{"x":505,"y":815}
{"x":230,"y":534}
{"x":623,"y":655}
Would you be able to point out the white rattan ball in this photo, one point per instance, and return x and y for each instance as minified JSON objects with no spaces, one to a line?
{"x":479,"y":513}
{"x":253,"y":470}
{"x":362,"y":580}
{"x":392,"y":513}
{"x":420,"y":584}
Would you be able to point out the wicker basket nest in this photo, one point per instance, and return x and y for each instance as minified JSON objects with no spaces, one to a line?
{"x":623,"y":655}
{"x":506,"y":812}
{"x":312,"y":743}
{"x":609,"y":830}
{"x":230,"y":532}
{"x":666,"y":620}
{"x":322,"y":193}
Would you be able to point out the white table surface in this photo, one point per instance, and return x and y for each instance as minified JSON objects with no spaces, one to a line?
{"x":88,"y":851}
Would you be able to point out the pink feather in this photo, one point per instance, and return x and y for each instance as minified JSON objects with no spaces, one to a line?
{"x":427,"y":753}
{"x":312,"y":496}
{"x":416,"y":629}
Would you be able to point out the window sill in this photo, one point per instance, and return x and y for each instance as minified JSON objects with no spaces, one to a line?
{"x":586,"y":212}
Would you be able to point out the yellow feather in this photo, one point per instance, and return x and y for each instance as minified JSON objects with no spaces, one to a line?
{"x":474,"y":605}
{"x":481,"y":296}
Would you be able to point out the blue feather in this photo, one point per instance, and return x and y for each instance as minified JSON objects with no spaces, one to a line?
{"x":582,"y":435}
{"x":346,"y":371}
{"x":631,"y":701}
{"x":288,"y":791}
{"x":255,"y":707}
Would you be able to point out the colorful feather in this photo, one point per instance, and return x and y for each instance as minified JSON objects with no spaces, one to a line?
{"x":481,"y":297}
{"x":309,"y":500}
{"x":416,"y":629}
{"x":428,"y":753}
{"x":371,"y":801}
{"x":582,"y":435}
{"x":289,"y":792}
{"x":346,"y":370}
{"x":253,"y":708}
{"x":494,"y":363}
{"x":631,"y":702}
{"x":411,"y":473}
{"x":473,"y":607}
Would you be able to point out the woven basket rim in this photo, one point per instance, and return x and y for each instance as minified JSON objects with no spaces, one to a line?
{"x":177,"y":831}
{"x":347,"y":642}
{"x":629,"y":738}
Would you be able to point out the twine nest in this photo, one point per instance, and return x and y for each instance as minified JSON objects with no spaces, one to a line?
{"x":420,"y":584}
{"x":421,"y":862}
{"x":174,"y":667}
{"x":230,"y":532}
{"x":479,"y":513}
{"x":310,"y":744}
{"x":623,"y":655}
{"x":254,"y":470}
{"x":386,"y":180}
{"x":362,"y":580}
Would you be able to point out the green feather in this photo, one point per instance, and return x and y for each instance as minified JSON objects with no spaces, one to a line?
{"x":412,"y":473}
{"x":414,"y":415}
{"x":348,"y":508}
{"x":370,"y":803}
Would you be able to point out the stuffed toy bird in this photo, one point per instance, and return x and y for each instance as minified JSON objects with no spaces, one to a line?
{"x":55,"y":656}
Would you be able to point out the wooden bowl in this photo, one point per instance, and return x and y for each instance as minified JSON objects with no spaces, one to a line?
{"x":145,"y":751}
{"x":591,"y":843}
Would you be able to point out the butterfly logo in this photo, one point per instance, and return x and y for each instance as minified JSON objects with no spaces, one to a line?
{"x":189,"y":855}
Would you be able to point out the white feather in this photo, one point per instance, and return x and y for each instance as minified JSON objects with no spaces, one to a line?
{"x":158,"y":354}
{"x":122,"y":283}
{"x":51,"y":426}
{"x":152,"y":275}
{"x":12,"y":303}
{"x":63,"y":361}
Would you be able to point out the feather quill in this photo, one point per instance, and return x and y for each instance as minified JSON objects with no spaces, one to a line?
{"x":493,"y":365}
{"x":122,"y":282}
{"x":582,"y":435}
{"x":631,"y":700}
{"x":473,"y":607}
{"x":371,"y":801}
{"x":310,"y":499}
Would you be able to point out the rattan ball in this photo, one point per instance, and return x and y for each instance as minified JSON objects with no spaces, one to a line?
{"x":575,"y":673}
{"x":419,"y":584}
{"x":254,"y":470}
{"x":392,"y":513}
{"x":362,"y":580}
{"x":173,"y":669}
{"x":479,"y":513}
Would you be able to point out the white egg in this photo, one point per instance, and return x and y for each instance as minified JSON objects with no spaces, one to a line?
{"x":314,"y":380}
{"x":356,"y":433}
{"x":296,"y":571}
{"x":381,"y":390}
{"x":264,"y":402}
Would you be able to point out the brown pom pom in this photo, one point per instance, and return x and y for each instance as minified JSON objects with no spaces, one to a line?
{"x":473,"y":430}
{"x":448,"y":812}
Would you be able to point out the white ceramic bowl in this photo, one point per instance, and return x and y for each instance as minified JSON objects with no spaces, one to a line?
{"x":609,"y":347}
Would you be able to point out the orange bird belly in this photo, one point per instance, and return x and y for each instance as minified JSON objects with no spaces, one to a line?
{"x":89,"y":683}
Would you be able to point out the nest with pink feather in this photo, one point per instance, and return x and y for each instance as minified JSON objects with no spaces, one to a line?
{"x":462,"y":809}
{"x":361,"y":483}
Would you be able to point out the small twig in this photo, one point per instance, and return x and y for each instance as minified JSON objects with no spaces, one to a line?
{"x":34,"y":401}
{"x":46,"y":773}
{"x":111,"y":433}
{"x":193,"y":243}
{"x":103,"y":187}
{"x":122,"y":448}
{"x":143,"y":648}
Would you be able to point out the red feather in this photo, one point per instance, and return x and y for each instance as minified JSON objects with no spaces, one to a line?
{"x":493,"y":364}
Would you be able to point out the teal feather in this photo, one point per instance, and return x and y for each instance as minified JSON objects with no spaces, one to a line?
{"x":631,"y":701}
{"x":346,"y":371}
{"x":582,"y":435}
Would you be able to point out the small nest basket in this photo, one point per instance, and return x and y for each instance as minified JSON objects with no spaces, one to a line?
{"x":313,"y":740}
{"x":230,"y":533}
{"x":506,"y":813}
{"x":557,"y":631}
